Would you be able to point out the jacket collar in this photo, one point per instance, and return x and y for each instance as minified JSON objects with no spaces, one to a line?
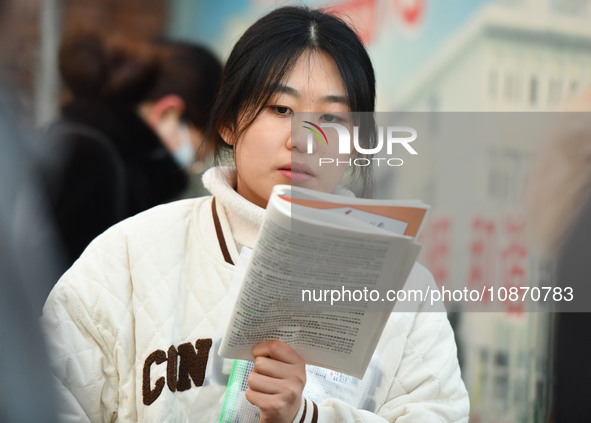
{"x":244,"y":217}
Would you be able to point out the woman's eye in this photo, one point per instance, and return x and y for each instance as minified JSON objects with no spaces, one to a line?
{"x":331,"y":119}
{"x":282,"y":110}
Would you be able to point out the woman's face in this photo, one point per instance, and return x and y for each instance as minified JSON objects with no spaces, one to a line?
{"x":268,"y":153}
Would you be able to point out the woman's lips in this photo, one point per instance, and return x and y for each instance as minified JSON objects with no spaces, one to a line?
{"x":295,"y":176}
{"x":296,"y":172}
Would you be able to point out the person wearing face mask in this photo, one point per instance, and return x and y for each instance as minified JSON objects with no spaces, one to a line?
{"x":130,"y":132}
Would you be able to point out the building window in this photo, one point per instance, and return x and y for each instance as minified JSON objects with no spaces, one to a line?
{"x":533,"y":90}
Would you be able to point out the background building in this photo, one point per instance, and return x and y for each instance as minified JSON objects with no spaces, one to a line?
{"x":518,"y":56}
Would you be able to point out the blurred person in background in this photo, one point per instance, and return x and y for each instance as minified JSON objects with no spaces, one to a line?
{"x":28,"y":258}
{"x":28,"y":270}
{"x":559,"y":210}
{"x":128,"y":136}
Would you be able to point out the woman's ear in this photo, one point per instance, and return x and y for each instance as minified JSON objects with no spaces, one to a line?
{"x":226,"y":135}
{"x":164,"y":117}
{"x":169,"y":106}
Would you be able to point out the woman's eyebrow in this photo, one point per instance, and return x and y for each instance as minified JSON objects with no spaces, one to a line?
{"x":284,"y":89}
{"x":335,"y":99}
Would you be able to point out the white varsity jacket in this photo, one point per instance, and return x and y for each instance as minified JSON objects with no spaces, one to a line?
{"x":134,"y":326}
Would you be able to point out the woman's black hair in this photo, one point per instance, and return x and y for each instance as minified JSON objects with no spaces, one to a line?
{"x":266,"y":53}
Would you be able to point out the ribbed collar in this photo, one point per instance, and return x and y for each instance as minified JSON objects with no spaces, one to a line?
{"x":244,"y":217}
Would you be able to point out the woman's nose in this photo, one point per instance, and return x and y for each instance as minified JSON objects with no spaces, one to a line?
{"x":302,"y":137}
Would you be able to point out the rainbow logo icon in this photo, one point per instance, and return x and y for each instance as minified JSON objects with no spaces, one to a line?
{"x":315,"y":131}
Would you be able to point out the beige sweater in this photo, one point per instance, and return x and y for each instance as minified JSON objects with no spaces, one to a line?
{"x":135,"y":324}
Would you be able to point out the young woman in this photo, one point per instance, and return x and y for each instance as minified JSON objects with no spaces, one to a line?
{"x":136,"y":321}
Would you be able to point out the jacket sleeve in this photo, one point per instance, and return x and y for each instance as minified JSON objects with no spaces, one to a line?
{"x":426,"y":386}
{"x":81,"y":338}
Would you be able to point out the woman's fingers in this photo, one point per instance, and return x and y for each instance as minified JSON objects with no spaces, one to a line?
{"x":278,"y":350}
{"x":264,"y":384}
{"x":277,"y":380}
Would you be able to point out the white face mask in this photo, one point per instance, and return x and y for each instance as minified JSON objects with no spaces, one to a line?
{"x":184,"y":155}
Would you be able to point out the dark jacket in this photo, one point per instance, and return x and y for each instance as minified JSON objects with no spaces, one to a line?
{"x":103,"y":164}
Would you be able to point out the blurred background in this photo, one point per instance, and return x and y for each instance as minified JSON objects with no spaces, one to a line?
{"x":451,"y":58}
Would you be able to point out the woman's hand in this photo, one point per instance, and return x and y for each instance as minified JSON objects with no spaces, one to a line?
{"x":277,"y":381}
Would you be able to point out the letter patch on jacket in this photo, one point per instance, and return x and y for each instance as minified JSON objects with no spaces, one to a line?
{"x":184,"y":364}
